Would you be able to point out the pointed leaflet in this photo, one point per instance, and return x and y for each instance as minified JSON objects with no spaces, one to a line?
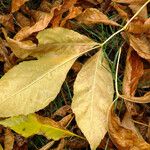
{"x":32,"y":85}
{"x":35,"y":124}
{"x":93,"y":94}
{"x":92,"y":16}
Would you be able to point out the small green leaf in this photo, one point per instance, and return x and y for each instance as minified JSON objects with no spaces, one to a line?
{"x":34,"y":124}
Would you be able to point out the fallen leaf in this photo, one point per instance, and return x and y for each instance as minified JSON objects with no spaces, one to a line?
{"x":147,"y":25}
{"x":145,"y":79}
{"x":9,"y":140}
{"x":7,"y":22}
{"x":121,"y":11}
{"x":67,"y":4}
{"x":22,"y":20}
{"x":93,"y":94}
{"x":16,"y":4}
{"x":34,"y":124}
{"x":92,"y":16}
{"x":45,"y":75}
{"x":142,"y":99}
{"x":135,"y":5}
{"x":132,"y":74}
{"x":73,"y":12}
{"x":141,"y":45}
{"x":124,"y":135}
{"x":43,"y":21}
{"x":136,"y":27}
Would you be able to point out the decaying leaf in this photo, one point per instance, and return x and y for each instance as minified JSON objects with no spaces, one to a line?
{"x":132,"y":74}
{"x":142,"y":99}
{"x":16,"y":4}
{"x":73,"y":12}
{"x":92,"y":16}
{"x":145,"y":80}
{"x":141,"y":45}
{"x":9,"y":140}
{"x":93,"y":94}
{"x":7,"y":22}
{"x":43,"y":21}
{"x":124,"y":135}
{"x":18,"y":85}
{"x":35,"y":124}
{"x":22,"y":20}
{"x":67,"y":4}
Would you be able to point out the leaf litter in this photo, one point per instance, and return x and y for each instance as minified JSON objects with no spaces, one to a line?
{"x":57,"y":83}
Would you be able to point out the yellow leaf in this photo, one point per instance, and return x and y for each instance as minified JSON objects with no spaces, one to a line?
{"x":92,"y":16}
{"x":93,"y":94}
{"x":35,"y":124}
{"x":32,"y":85}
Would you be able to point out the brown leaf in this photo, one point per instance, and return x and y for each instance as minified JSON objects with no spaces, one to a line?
{"x":92,"y":16}
{"x":133,"y":72}
{"x":137,"y":26}
{"x":147,"y":25}
{"x":121,"y":11}
{"x":22,"y":20}
{"x":62,"y":111}
{"x":73,"y":12}
{"x":145,"y":80}
{"x":141,"y":45}
{"x":64,"y":122}
{"x":9,"y":140}
{"x":135,"y":5}
{"x":7,"y":22}
{"x":16,"y":4}
{"x":124,"y":135}
{"x":43,"y":20}
{"x":68,"y":4}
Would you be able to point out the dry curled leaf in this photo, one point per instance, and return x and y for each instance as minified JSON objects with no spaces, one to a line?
{"x":73,"y":12}
{"x":92,"y":16}
{"x":42,"y":22}
{"x":124,"y":135}
{"x":9,"y":140}
{"x":141,"y":45}
{"x":145,"y":80}
{"x":16,"y":4}
{"x":7,"y":22}
{"x":132,"y":74}
{"x":67,"y":5}
{"x":93,"y":94}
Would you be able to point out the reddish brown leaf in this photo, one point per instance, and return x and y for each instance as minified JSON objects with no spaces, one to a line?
{"x":73,"y":12}
{"x":16,"y":4}
{"x":68,"y":4}
{"x":133,"y":72}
